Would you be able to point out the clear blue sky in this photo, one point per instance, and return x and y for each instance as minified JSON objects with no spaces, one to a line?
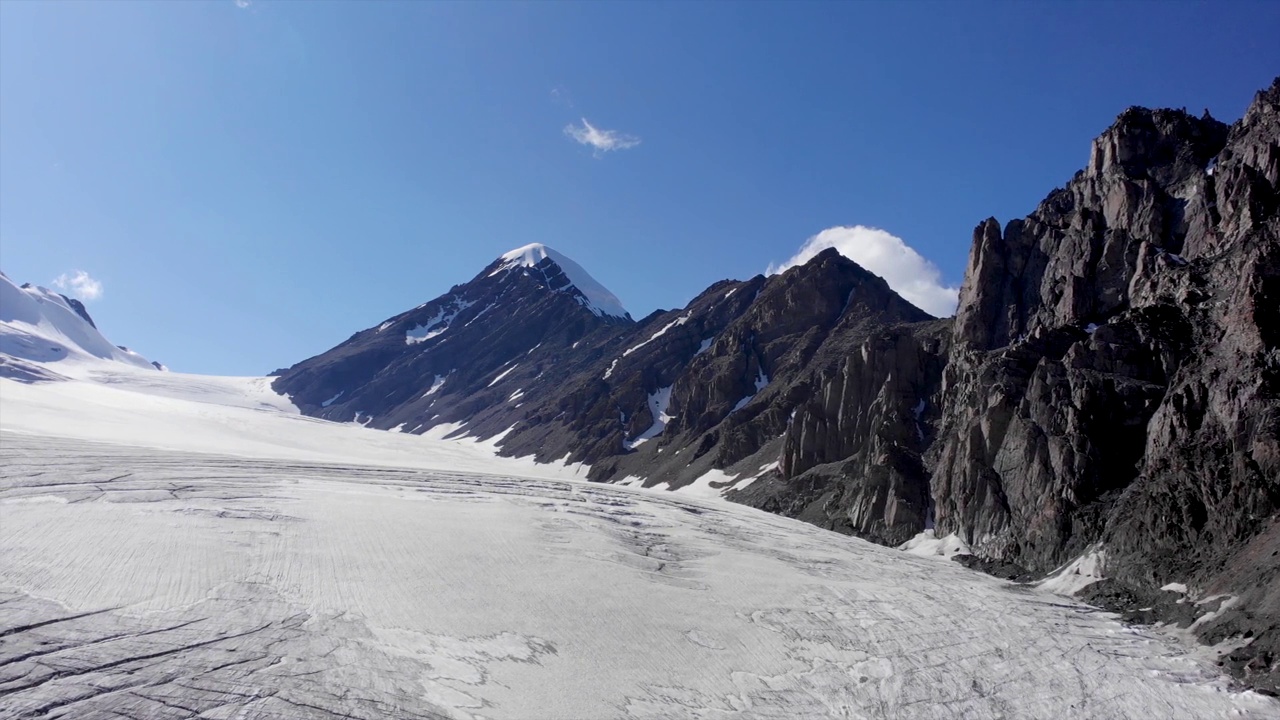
{"x":252,"y":184}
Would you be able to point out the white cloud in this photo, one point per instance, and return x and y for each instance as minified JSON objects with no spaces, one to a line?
{"x":561,"y":95}
{"x":601,"y":141}
{"x":907,"y":271}
{"x":79,"y":284}
{"x":243,"y":3}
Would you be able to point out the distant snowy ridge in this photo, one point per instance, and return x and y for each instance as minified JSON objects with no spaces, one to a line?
{"x":598,"y":298}
{"x":40,"y":325}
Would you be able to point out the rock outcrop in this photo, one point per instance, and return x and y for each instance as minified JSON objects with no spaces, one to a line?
{"x":851,"y":458}
{"x":1088,"y":335}
{"x":1115,"y":366}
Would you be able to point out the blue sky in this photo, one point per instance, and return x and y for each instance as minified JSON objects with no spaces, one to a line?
{"x":250,"y":183}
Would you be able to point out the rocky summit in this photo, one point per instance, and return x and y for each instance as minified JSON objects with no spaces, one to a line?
{"x":1109,"y":386}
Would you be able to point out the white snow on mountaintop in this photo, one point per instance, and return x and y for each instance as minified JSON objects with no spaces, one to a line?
{"x":599,"y":300}
{"x":37,"y":324}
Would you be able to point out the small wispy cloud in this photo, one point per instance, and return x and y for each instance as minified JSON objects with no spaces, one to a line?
{"x":243,"y":3}
{"x":600,"y":141}
{"x":562,"y":96}
{"x":79,"y":284}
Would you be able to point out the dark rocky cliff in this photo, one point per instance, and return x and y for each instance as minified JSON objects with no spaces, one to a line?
{"x":1114,"y":375}
{"x":1111,"y":381}
{"x":851,"y":460}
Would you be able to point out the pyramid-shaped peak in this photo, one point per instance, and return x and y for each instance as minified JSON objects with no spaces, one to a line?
{"x":598,"y":298}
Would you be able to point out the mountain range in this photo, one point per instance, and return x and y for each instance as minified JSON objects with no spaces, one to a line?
{"x":1106,"y":398}
{"x":1108,"y":389}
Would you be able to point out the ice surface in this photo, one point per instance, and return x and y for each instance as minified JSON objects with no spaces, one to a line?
{"x":265,"y":588}
{"x":188,"y":546}
{"x":599,"y":300}
{"x":240,"y":416}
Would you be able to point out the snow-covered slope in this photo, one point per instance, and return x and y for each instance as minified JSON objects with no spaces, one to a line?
{"x":188,"y":546}
{"x":39,"y":325}
{"x":230,"y":415}
{"x":598,"y":298}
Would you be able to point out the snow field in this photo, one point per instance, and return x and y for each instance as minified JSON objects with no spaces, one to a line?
{"x":176,"y":546}
{"x":496,"y":596}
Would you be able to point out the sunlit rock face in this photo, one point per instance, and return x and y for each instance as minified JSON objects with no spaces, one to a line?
{"x":1115,"y":368}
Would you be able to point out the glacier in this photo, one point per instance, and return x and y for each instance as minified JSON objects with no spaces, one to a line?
{"x":189,"y":546}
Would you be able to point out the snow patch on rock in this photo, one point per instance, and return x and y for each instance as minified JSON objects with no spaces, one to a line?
{"x":927,"y":544}
{"x":658,"y":402}
{"x":437,"y":325}
{"x":678,"y":321}
{"x":1077,"y":574}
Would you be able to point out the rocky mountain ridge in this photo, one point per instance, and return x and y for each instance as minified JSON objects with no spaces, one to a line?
{"x":1109,"y":385}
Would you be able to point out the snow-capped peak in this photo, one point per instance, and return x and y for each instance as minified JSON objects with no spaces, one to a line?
{"x":598,"y":298}
{"x":40,"y":325}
